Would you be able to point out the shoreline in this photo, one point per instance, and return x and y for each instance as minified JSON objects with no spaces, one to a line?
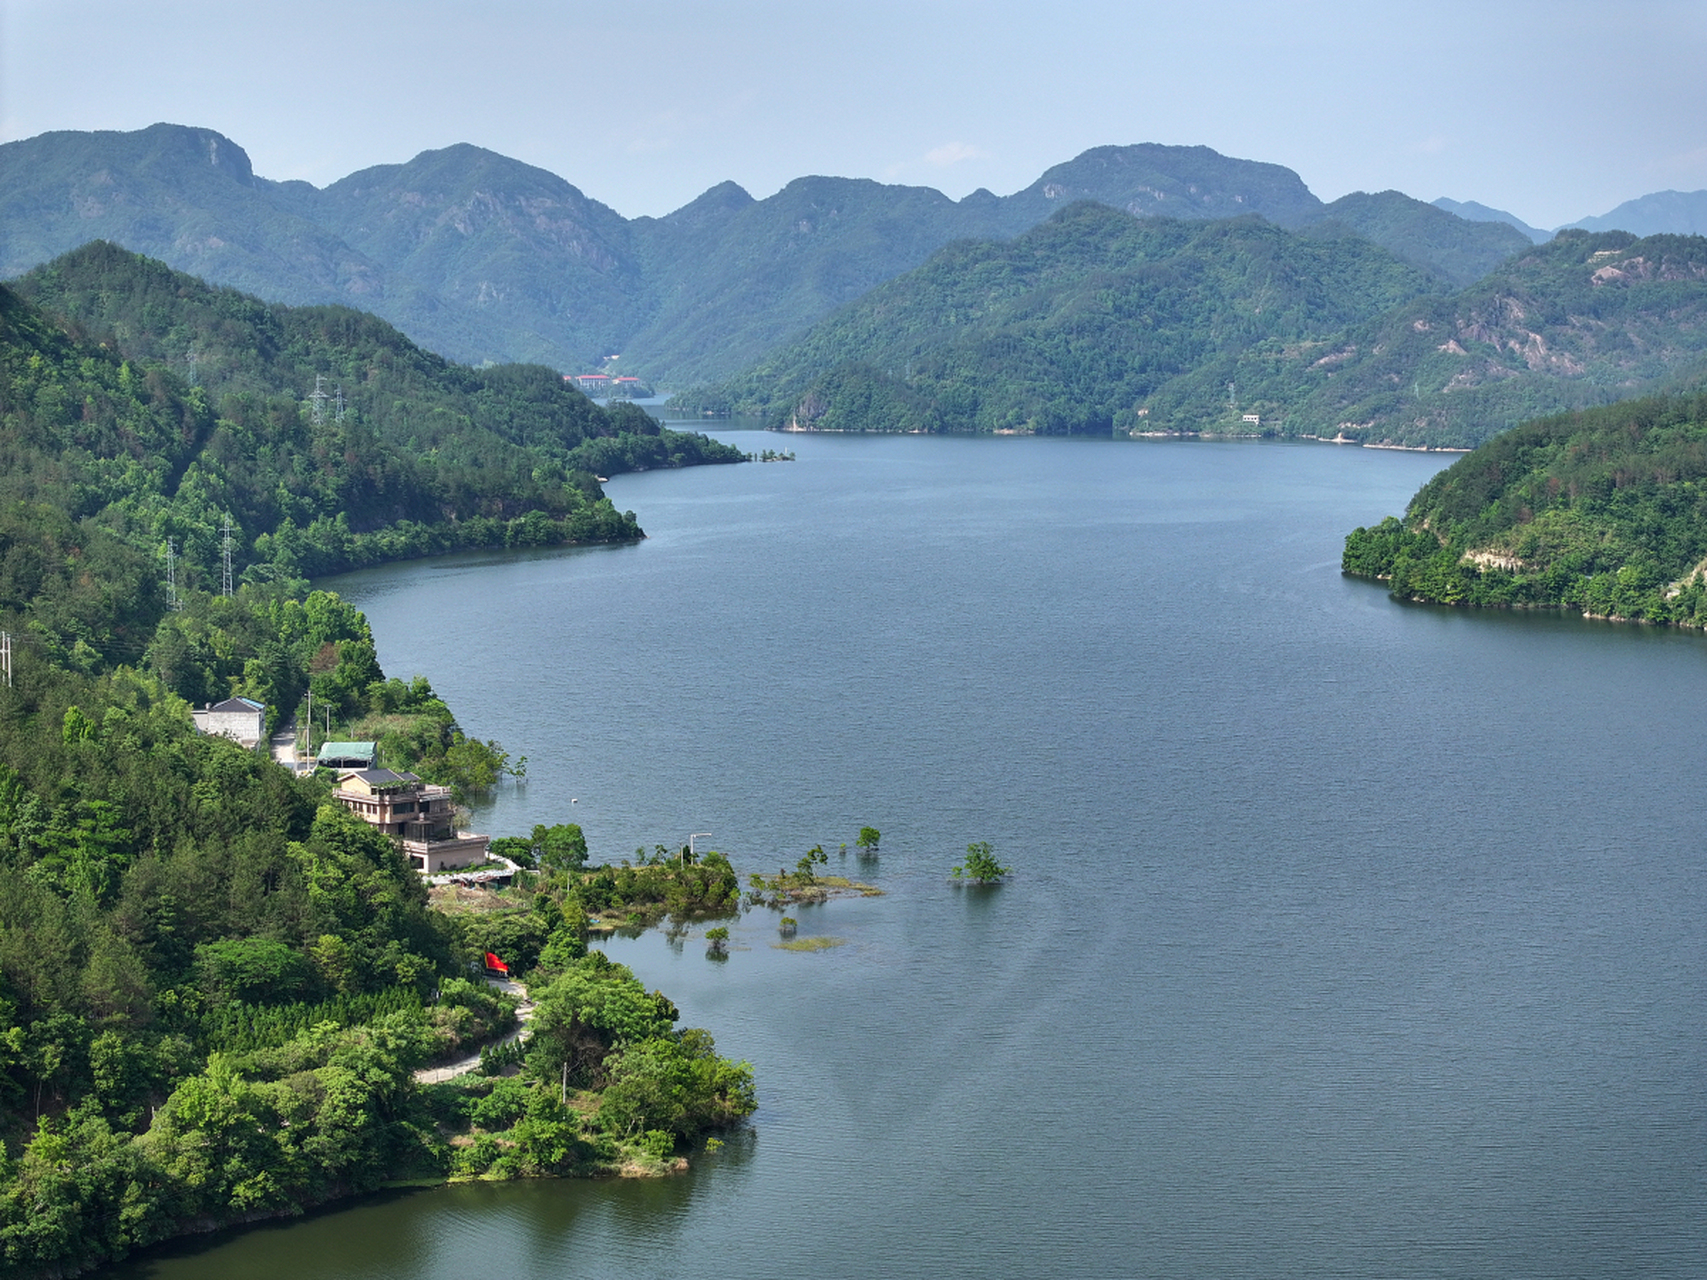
{"x":793,"y":428}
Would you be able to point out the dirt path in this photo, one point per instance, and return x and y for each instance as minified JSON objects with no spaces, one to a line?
{"x":462,"y":1066}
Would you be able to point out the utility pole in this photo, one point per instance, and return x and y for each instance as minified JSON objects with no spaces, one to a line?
{"x":338,"y":403}
{"x":6,"y":655}
{"x":225,"y":551}
{"x":317,"y":401}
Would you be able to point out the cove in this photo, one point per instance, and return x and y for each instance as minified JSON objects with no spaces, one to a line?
{"x":1345,"y":937}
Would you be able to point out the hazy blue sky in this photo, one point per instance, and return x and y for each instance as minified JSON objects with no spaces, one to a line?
{"x":1552,"y":110}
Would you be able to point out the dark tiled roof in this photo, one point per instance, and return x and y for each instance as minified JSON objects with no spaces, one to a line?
{"x":238,"y":704}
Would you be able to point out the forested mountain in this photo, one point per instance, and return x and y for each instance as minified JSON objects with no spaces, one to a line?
{"x":1459,"y":251}
{"x":1095,"y":322}
{"x":1076,"y":326}
{"x":736,"y":276}
{"x":143,"y":402}
{"x":1580,"y":320}
{"x":1152,"y":181}
{"x":167,"y":190}
{"x":1602,"y":511}
{"x":528,"y":263}
{"x":480,"y":257}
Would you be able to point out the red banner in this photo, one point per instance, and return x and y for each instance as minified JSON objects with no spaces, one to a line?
{"x":492,"y":962}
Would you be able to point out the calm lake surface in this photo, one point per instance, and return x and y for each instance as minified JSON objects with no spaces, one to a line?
{"x":1344,"y":938}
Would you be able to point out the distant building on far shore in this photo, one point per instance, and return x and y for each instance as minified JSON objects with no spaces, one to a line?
{"x":243,"y":720}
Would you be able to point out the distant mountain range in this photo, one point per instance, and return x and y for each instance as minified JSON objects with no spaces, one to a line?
{"x":1662,"y":213}
{"x":481,"y":257}
{"x":1680,"y":213}
{"x":1473,"y":211}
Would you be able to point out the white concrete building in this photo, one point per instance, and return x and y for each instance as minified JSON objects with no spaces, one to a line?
{"x":243,"y":720}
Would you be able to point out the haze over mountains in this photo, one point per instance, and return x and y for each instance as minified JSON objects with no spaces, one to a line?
{"x":481,"y":257}
{"x":849,"y":302}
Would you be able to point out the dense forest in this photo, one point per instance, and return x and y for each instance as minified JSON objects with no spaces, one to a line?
{"x":1602,"y":511}
{"x":1075,"y":327}
{"x":216,"y":984}
{"x":157,"y":407}
{"x":1096,"y":324}
{"x":1579,"y":321}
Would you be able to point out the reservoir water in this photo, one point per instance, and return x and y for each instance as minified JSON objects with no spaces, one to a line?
{"x":1344,"y":938}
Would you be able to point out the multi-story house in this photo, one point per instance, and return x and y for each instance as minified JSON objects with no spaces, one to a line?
{"x":419,"y":816}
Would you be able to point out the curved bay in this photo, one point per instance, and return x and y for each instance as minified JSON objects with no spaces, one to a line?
{"x":1345,"y":938}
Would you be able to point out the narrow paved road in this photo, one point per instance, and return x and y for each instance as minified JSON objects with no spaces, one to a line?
{"x":283,"y":744}
{"x":462,"y":1066}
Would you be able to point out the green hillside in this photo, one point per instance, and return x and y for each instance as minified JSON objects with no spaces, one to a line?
{"x":1076,"y":327}
{"x":1096,"y":322}
{"x":198,"y":405}
{"x":1149,"y":180}
{"x":1602,"y":511}
{"x":733,"y":280}
{"x":1578,"y":321}
{"x":532,"y":268}
{"x":1458,"y":251}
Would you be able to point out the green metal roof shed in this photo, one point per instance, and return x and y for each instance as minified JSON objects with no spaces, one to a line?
{"x":346,"y":755}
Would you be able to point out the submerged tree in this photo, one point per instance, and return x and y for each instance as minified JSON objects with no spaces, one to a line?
{"x":814,"y":857}
{"x":980,"y":866}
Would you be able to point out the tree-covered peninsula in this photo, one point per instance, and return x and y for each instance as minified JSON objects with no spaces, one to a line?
{"x":217,"y":985}
{"x":1602,"y":511}
{"x":159,"y":405}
